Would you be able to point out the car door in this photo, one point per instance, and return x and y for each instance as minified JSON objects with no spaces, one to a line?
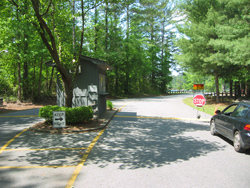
{"x":235,"y":119}
{"x":224,"y":118}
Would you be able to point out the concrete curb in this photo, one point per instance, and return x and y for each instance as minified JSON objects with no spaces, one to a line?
{"x":106,"y":118}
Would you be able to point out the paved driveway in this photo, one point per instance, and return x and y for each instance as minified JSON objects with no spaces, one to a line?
{"x":151,"y":142}
{"x":158,"y":142}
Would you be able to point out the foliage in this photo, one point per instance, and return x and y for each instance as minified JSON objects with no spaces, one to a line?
{"x":73,"y":115}
{"x":130,"y":35}
{"x":110,"y":105}
{"x":215,"y":35}
{"x":178,"y":82}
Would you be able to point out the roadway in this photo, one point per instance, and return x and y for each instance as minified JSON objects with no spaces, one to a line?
{"x":150,"y":142}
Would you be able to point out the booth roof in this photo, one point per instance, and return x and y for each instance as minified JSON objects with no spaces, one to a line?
{"x":100,"y":63}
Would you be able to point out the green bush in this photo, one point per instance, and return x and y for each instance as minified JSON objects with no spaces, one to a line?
{"x":46,"y":112}
{"x":110,"y":105}
{"x":73,"y":115}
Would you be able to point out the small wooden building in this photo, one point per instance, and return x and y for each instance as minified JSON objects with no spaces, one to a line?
{"x":90,"y":85}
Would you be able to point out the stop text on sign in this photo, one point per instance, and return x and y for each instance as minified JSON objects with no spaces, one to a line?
{"x":199,"y":100}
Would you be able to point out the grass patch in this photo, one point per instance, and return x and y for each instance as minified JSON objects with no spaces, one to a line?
{"x":208,"y":108}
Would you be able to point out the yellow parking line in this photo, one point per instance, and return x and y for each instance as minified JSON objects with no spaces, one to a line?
{"x":43,"y":149}
{"x":81,"y":163}
{"x":11,"y":167}
{"x":8,"y":143}
{"x":19,"y":116}
{"x":148,"y":117}
{"x":124,"y":106}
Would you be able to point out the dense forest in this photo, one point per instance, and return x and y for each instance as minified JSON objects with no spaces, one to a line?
{"x":130,"y":35}
{"x":135,"y":37}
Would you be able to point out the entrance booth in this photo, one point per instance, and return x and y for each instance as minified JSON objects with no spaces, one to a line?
{"x":90,"y":85}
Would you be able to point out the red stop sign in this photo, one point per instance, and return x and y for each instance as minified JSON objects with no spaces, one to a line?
{"x":199,"y":100}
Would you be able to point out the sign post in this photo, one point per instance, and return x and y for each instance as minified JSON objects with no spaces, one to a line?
{"x":59,"y":120}
{"x":199,"y":100}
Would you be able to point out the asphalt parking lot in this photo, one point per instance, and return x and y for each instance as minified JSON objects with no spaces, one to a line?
{"x":43,"y":159}
{"x":149,"y":143}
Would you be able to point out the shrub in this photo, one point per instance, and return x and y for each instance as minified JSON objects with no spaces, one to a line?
{"x":73,"y":115}
{"x":46,"y":112}
{"x":110,"y":105}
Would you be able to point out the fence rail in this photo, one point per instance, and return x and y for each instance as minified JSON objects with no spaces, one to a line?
{"x":223,"y":94}
{"x":208,"y":94}
{"x":177,"y":91}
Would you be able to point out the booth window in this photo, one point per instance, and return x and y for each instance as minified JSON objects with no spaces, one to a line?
{"x":102,"y":83}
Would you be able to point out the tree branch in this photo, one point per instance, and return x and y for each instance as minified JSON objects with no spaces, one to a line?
{"x":16,"y":5}
{"x":43,"y":25}
{"x":92,"y":8}
{"x":47,"y":8}
{"x":83,"y":22}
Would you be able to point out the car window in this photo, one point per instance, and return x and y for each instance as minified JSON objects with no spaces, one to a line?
{"x":229,"y":110}
{"x":241,"y":111}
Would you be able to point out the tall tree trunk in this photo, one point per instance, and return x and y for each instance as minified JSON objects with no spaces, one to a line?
{"x":153,"y":78}
{"x":19,"y":91}
{"x":33,"y":81}
{"x":247,"y":88}
{"x":40,"y":79}
{"x":95,"y":28}
{"x":231,"y":88}
{"x":126,"y":85}
{"x":217,"y":86}
{"x":163,"y":65}
{"x":235,"y":90}
{"x":25,"y":72}
{"x":25,"y":79}
{"x":83,"y":29}
{"x":74,"y":20}
{"x":116,"y":81}
{"x":106,"y":28}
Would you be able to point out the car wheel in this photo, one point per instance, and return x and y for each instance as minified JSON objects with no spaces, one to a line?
{"x":212,"y":128}
{"x":237,"y":142}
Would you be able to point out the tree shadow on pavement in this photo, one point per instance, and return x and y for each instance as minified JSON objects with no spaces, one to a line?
{"x":150,"y":143}
{"x":47,"y":149}
{"x":11,"y":126}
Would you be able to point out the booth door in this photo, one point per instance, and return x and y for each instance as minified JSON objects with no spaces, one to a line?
{"x":102,"y":84}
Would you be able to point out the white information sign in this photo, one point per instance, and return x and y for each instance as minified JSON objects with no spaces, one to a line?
{"x":59,"y":120}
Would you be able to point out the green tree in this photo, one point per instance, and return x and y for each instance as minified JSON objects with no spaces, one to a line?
{"x":130,"y":35}
{"x":215,"y":31}
{"x":197,"y":54}
{"x":49,"y":19}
